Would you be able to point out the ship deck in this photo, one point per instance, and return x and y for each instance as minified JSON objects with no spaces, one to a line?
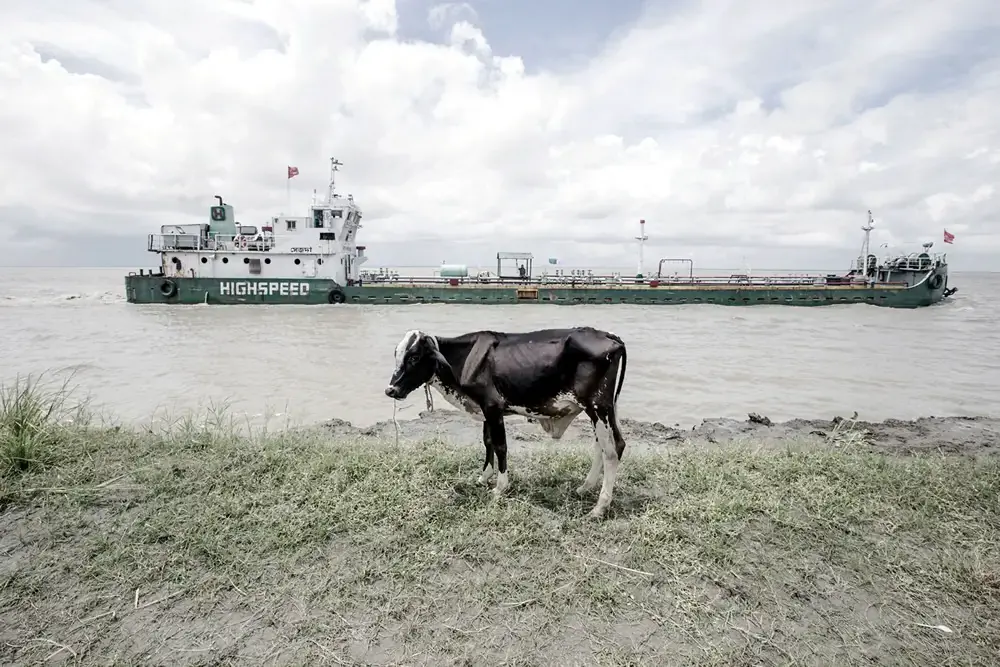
{"x":625,"y":286}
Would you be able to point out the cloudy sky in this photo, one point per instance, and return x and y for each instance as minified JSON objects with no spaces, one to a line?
{"x":753,"y":131}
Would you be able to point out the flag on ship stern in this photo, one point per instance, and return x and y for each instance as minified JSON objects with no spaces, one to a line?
{"x":293,"y":171}
{"x":948,"y":238}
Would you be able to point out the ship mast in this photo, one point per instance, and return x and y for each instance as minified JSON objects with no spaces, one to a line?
{"x":335,"y":164}
{"x":641,"y":238}
{"x":866,"y":247}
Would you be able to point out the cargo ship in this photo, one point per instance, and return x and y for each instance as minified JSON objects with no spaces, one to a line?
{"x":315,"y":259}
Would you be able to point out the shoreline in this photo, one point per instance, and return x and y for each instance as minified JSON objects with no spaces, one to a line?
{"x":969,"y":435}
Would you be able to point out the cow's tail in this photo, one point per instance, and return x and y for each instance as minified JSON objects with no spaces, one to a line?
{"x":621,"y":369}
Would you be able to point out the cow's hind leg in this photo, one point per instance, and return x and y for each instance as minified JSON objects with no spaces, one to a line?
{"x":597,"y":464}
{"x":488,"y":468}
{"x":613,"y":446}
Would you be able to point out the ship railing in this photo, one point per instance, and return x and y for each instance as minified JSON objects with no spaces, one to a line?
{"x":210,"y":243}
{"x":735,"y":281}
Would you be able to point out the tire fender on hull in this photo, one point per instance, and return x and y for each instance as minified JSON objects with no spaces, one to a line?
{"x":336,"y":295}
{"x":168,"y":288}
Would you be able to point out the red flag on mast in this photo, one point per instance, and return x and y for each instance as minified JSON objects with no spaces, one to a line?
{"x":293,"y":171}
{"x":948,"y":238}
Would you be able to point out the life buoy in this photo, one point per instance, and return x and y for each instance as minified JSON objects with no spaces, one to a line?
{"x":241,"y":241}
{"x":936,"y":281}
{"x":168,"y":288}
{"x":336,"y":295}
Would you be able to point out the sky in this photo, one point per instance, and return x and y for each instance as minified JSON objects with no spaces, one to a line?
{"x":753,"y":133}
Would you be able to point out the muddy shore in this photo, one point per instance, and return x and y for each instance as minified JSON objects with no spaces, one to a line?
{"x":970,"y":435}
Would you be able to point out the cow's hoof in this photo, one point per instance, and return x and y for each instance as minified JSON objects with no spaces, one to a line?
{"x":502,"y":484}
{"x":596,"y":514}
{"x":583,"y":490}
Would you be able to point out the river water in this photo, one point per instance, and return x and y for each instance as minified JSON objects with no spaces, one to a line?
{"x":685,"y":362}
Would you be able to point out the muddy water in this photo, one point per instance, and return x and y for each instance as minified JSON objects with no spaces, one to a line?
{"x":686,"y":363}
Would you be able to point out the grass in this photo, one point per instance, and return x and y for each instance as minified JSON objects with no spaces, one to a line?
{"x":33,"y":421}
{"x":201,"y":544}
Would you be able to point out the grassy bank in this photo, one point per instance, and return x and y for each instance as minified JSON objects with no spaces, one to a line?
{"x":196,"y":545}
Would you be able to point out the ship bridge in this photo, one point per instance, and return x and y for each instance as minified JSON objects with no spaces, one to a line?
{"x":319,"y":244}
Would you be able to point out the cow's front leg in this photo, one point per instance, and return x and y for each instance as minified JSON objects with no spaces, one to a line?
{"x":498,"y":437}
{"x":488,"y":469}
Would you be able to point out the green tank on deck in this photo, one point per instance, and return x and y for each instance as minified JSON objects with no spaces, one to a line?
{"x":454,"y":271}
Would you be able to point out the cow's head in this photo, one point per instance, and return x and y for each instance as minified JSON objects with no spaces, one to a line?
{"x":417,"y":358}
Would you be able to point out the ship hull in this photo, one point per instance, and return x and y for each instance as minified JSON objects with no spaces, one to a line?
{"x":159,"y":289}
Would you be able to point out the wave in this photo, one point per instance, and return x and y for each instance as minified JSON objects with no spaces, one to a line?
{"x":102,"y":297}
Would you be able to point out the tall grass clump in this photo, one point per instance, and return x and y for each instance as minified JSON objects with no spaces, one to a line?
{"x":34,"y":422}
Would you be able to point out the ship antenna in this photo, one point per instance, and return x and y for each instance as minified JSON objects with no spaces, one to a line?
{"x":335,"y":164}
{"x":641,"y":238}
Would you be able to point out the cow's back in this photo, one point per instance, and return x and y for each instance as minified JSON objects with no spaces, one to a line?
{"x":531,"y":368}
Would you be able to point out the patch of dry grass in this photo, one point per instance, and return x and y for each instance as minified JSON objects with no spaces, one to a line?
{"x":198,"y":545}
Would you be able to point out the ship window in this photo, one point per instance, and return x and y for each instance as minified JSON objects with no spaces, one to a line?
{"x":319,"y":261}
{"x":298,"y":261}
{"x":204,"y":260}
{"x":290,"y":225}
{"x":337,"y":213}
{"x":246,"y":260}
{"x":267,"y":260}
{"x":225,"y":260}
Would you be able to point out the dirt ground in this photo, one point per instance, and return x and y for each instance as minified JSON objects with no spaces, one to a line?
{"x":947,"y":435}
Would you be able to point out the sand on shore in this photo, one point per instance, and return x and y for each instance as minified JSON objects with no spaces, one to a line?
{"x":978,"y":435}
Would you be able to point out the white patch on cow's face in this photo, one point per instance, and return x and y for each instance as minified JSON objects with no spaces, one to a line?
{"x":409,"y":338}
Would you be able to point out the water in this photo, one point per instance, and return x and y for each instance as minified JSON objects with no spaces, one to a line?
{"x":685,"y":363}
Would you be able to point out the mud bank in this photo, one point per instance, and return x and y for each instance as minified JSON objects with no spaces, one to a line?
{"x":947,"y":435}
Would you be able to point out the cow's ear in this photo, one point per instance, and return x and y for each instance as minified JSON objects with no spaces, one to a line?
{"x":443,"y":367}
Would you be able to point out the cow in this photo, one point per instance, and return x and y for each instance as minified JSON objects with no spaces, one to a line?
{"x":549,"y":376}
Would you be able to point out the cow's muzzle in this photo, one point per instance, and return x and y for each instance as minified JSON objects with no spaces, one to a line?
{"x":393,"y":391}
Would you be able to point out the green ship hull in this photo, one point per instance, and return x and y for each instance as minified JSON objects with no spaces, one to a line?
{"x":148,"y":288}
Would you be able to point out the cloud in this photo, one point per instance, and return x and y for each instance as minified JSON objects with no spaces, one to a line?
{"x":736,"y":129}
{"x":448,"y":14}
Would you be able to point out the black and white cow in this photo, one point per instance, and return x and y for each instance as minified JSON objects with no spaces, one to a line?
{"x":550,"y":376}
